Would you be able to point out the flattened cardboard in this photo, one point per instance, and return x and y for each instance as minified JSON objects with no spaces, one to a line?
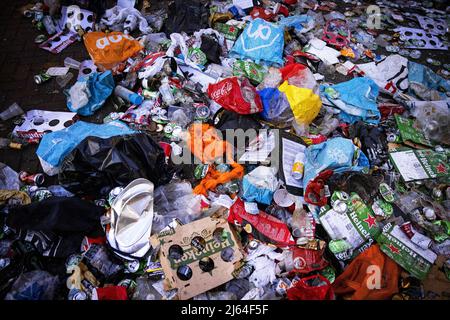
{"x":200,"y":281}
{"x":39,"y":122}
{"x":397,"y":246}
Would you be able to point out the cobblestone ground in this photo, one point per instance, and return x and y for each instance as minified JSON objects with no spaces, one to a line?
{"x":20,"y":60}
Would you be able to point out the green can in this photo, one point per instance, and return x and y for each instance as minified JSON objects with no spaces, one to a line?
{"x":229,"y":32}
{"x":197,"y":56}
{"x":41,"y":78}
{"x":254,"y":72}
{"x":200,"y":171}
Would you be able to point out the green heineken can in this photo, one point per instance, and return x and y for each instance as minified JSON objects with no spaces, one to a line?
{"x":200,"y":171}
{"x":197,"y":56}
{"x":41,"y":78}
{"x":40,"y":26}
{"x":254,"y":72}
{"x":228,"y":31}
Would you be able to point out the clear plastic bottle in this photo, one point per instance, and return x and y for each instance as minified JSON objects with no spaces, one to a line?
{"x":166,"y":92}
{"x":128,"y":95}
{"x":49,"y":25}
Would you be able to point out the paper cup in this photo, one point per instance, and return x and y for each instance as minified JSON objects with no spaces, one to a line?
{"x":283,"y":198}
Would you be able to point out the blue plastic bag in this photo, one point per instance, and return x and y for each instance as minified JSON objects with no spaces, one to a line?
{"x":276,"y":107}
{"x":297,"y":22}
{"x":259,"y":185}
{"x":261,"y":41}
{"x":55,"y":146}
{"x":356,"y":99}
{"x":420,"y":74}
{"x":337,"y":154}
{"x":88,"y":94}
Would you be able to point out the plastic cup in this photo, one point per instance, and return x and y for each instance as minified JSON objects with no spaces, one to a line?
{"x":72,"y":63}
{"x":12,"y":111}
{"x":283,"y":198}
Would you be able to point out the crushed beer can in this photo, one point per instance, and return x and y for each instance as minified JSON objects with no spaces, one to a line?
{"x":33,"y":179}
{"x":41,"y":78}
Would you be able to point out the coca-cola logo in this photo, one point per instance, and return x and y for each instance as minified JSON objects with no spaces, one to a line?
{"x":30,"y":134}
{"x":224,"y":90}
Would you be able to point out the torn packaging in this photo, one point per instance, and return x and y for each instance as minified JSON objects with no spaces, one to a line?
{"x":194,"y":257}
{"x":262,"y":225}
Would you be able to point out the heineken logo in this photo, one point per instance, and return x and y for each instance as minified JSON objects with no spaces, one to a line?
{"x":393,"y":249}
{"x":399,"y":246}
{"x":357,"y":222}
{"x":441,"y":168}
{"x":192,"y":254}
{"x":370,"y":221}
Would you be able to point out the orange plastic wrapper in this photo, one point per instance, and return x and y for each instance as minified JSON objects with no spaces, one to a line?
{"x":357,"y":280}
{"x":206,"y":144}
{"x":109,"y":50}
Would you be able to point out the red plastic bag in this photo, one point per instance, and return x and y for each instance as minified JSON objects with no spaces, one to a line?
{"x":235,"y":94}
{"x":308,"y":260}
{"x":112,"y":293}
{"x":262,"y":13}
{"x":291,"y":70}
{"x":315,"y":287}
{"x":261,"y":225}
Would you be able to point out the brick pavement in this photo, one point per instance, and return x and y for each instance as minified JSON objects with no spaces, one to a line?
{"x":20,"y":60}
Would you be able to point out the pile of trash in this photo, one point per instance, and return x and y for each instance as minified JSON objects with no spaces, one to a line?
{"x":284,"y":149}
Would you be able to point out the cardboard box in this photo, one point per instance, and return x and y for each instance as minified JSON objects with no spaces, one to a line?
{"x":397,"y":246}
{"x":357,"y":225}
{"x":422,"y":164}
{"x":200,"y":266}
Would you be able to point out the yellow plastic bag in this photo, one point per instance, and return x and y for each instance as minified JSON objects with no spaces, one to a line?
{"x":108,"y":50}
{"x":305,"y":104}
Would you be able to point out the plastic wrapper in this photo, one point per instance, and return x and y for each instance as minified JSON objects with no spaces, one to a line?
{"x":116,"y":18}
{"x":175,"y":201}
{"x":109,"y":50}
{"x":363,"y":286}
{"x":276,"y":108}
{"x":433,"y":119}
{"x":337,"y":154}
{"x":315,"y":287}
{"x":390,"y":74}
{"x":87,"y":95}
{"x":187,"y":16}
{"x":426,"y":84}
{"x":305,"y":104}
{"x":98,"y":165}
{"x":356,"y":100}
{"x":55,"y":146}
{"x":9,"y":179}
{"x":34,"y":285}
{"x":259,"y":185}
{"x":56,"y":226}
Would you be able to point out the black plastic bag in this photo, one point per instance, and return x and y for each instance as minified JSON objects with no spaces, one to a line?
{"x":98,"y":165}
{"x":225,"y":119}
{"x":56,"y":226}
{"x":188,"y":16}
{"x":373,"y":142}
{"x":210,"y":46}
